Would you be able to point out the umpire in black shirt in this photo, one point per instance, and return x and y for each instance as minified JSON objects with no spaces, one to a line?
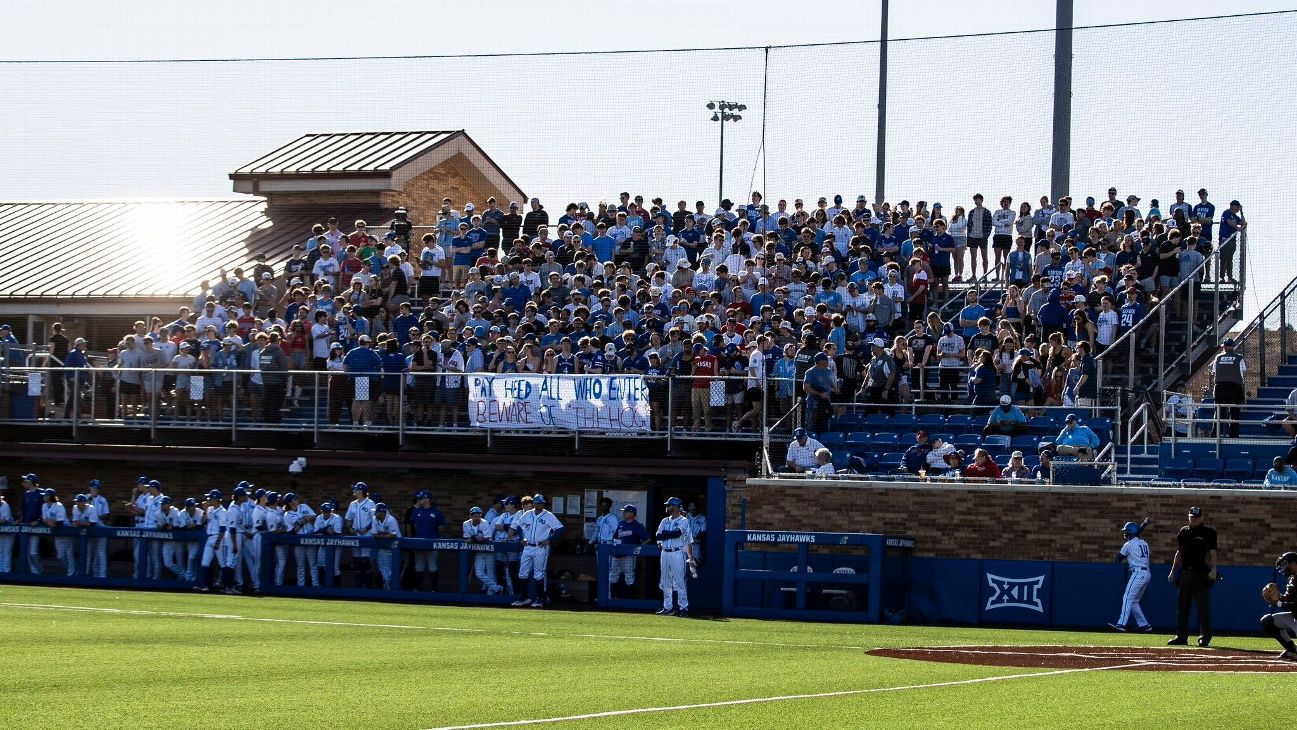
{"x":1194,"y":567}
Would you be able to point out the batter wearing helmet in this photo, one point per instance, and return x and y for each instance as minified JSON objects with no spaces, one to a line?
{"x":1282,"y":625}
{"x":676,"y":542}
{"x":1136,"y":556}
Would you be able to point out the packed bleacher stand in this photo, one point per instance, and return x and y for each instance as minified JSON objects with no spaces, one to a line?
{"x":854,"y":322}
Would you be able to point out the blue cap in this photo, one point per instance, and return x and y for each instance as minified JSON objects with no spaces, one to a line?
{"x":698,"y":347}
{"x":31,"y":478}
{"x":511,"y":500}
{"x":948,"y":328}
{"x":142,"y":480}
{"x":94,"y":484}
{"x":290,"y":497}
{"x":155,"y":484}
{"x":166,"y":500}
{"x":1089,"y":200}
{"x":191,"y":502}
{"x":821,"y":357}
{"x":799,"y":432}
{"x":245,"y":485}
{"x":475,"y":511}
{"x":82,"y":498}
{"x":240,"y":491}
{"x":380,"y":507}
{"x":1229,"y":342}
{"x":1130,"y":528}
{"x":360,"y":487}
{"x":1070,"y":417}
{"x":272,"y":497}
{"x":214,"y":494}
{"x":674,"y":502}
{"x":259,"y":493}
{"x":538,"y":499}
{"x":327,"y":506}
{"x":630,"y":508}
{"x":49,"y":492}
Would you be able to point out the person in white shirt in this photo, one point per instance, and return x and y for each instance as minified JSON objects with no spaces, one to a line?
{"x":506,"y":561}
{"x":170,"y":519}
{"x":359,"y":519}
{"x":384,"y":526}
{"x":1135,"y":553}
{"x":824,"y":460}
{"x":801,"y":451}
{"x":328,"y":523}
{"x":478,"y":531}
{"x":55,"y":515}
{"x":193,"y":520}
{"x":1002,"y":239}
{"x":537,"y":527}
{"x":1106,"y":324}
{"x":605,"y":525}
{"x":299,"y":519}
{"x":85,"y":515}
{"x":8,"y":539}
{"x":275,"y":526}
{"x":326,"y":267}
{"x":97,"y":546}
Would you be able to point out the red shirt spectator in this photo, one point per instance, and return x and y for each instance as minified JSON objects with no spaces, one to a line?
{"x":983,"y":466}
{"x":705,"y":367}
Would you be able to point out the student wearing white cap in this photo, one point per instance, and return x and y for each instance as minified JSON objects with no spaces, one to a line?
{"x":477,"y":531}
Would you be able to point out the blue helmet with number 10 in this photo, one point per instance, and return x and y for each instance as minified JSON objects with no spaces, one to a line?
{"x":1130,"y":528}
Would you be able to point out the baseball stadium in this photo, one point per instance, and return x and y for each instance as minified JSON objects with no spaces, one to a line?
{"x":843,"y":365}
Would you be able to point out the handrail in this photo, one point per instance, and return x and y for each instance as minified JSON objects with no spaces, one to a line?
{"x":1134,"y":433}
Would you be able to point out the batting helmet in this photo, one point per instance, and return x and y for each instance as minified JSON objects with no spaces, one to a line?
{"x":1286,"y":558}
{"x":1130,"y":528}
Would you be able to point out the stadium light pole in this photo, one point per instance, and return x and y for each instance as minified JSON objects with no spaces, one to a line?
{"x":880,"y":155}
{"x":722,"y":112}
{"x":1061,"y":162}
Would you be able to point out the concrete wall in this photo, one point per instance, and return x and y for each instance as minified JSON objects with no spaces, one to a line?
{"x":1026,"y":522}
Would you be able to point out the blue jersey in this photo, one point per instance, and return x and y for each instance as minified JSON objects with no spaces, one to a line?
{"x":362,"y":361}
{"x":630,"y":533}
{"x":427,"y":522}
{"x":1208,"y":211}
{"x":32,"y":503}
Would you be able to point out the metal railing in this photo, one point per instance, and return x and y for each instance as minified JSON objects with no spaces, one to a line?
{"x":1267,"y":341}
{"x":393,"y":403}
{"x":1221,"y":271}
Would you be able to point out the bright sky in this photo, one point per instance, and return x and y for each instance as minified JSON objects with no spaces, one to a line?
{"x":1154,"y":108}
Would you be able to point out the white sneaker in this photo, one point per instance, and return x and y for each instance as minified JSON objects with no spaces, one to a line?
{"x":520,"y":603}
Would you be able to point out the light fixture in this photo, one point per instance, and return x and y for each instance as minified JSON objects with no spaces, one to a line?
{"x":715,"y":117}
{"x":742,"y":107}
{"x":711,"y":105}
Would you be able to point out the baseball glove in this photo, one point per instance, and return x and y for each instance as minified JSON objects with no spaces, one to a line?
{"x":1270,"y":593}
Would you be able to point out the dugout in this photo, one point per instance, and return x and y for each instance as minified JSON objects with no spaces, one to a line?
{"x":826,"y":576}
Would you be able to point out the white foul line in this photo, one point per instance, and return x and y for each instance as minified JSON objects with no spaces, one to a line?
{"x":782,"y":698}
{"x":536,"y":634}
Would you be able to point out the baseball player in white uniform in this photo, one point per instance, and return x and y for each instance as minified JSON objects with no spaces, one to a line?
{"x":275,"y":524}
{"x":7,"y":540}
{"x":216,"y":543}
{"x":478,"y":531}
{"x":54,"y":514}
{"x":236,"y":512}
{"x":84,"y":516}
{"x":328,"y":523}
{"x":359,"y":519}
{"x":254,"y":523}
{"x":697,"y":528}
{"x":538,"y":527}
{"x":1135,"y":553}
{"x":676,"y":542}
{"x":137,"y":506}
{"x":384,"y":525}
{"x":98,"y":546}
{"x":605,"y":525}
{"x":299,"y":519}
{"x":191,"y":519}
{"x":172,"y":551}
{"x":152,"y":505}
{"x":508,"y":562}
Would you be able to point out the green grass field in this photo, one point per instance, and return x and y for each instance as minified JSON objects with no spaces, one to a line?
{"x":78,"y":658}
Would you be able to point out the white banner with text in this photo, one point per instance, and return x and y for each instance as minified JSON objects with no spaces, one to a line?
{"x":560,"y":402}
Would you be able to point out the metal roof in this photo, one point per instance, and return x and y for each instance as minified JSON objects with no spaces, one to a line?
{"x":347,"y":153}
{"x":138,"y":249}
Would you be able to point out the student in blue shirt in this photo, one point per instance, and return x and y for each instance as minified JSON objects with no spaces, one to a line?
{"x":604,"y":245}
{"x":1204,"y":212}
{"x":363,"y":363}
{"x":1231,"y":222}
{"x":1020,"y":262}
{"x":1280,"y":476}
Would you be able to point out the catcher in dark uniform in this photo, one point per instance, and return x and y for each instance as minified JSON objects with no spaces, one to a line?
{"x":1283,"y":626}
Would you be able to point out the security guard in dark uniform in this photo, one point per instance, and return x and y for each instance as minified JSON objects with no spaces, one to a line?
{"x":1193,"y":570}
{"x":1227,"y":371}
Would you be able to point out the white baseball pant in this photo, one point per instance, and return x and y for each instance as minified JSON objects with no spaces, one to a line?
{"x":7,"y":553}
{"x":281,"y":563}
{"x":534,"y":560}
{"x":502,"y":561}
{"x":191,"y":559}
{"x":384,"y":566}
{"x":251,"y":550}
{"x":621,"y":568}
{"x":1135,"y":587}
{"x":425,"y":561}
{"x":66,"y":549}
{"x":34,"y":554}
{"x":484,"y":569}
{"x":304,"y":556}
{"x":171,"y":553}
{"x":673,"y":579}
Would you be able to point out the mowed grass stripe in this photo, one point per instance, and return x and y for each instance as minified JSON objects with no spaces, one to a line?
{"x":517,"y":664}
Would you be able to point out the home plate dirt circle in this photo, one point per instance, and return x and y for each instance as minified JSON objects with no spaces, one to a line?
{"x":1147,"y":659}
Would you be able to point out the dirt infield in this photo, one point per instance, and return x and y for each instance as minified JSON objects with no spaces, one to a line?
{"x":1147,"y":659}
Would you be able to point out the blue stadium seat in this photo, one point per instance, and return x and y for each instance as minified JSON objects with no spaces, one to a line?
{"x":841,"y":460}
{"x":959,"y":423}
{"x":997,"y":442}
{"x":1224,"y":483}
{"x":886,"y":440}
{"x":1207,"y":467}
{"x":878,"y":421}
{"x":1237,"y":469}
{"x":1025,"y":444}
{"x":908,"y":438}
{"x":947,"y":437}
{"x":858,"y":437}
{"x":849,"y":422}
{"x":832,"y":439}
{"x":892,"y":460}
{"x":1177,"y":468}
{"x":968,"y":441}
{"x":1002,"y":460}
{"x":1102,"y":428}
{"x":905,"y":422}
{"x":932,"y":422}
{"x":1044,"y":426}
